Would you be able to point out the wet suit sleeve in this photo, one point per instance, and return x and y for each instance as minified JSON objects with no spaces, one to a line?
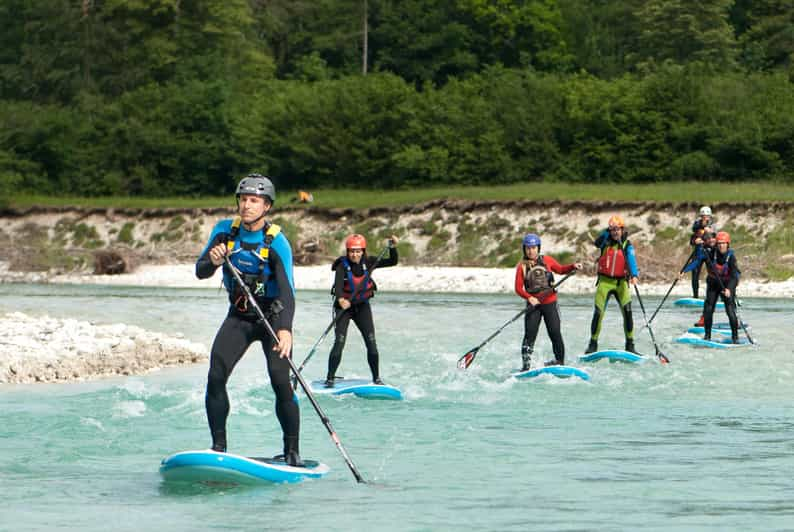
{"x":283,"y":320}
{"x":339,"y":280}
{"x":733,"y":282}
{"x":699,"y":257}
{"x":204,"y":266}
{"x":519,"y":285}
{"x":385,"y":262}
{"x":556,"y":267}
{"x":632,"y":260}
{"x":601,"y":240}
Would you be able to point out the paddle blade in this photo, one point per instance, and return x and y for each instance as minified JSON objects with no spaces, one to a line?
{"x":466,"y":360}
{"x":662,"y":357}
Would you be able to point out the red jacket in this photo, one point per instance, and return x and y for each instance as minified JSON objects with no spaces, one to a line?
{"x":552,"y":266}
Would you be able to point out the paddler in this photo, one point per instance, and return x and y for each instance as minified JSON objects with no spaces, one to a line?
{"x":263,"y":257}
{"x":617,"y":269}
{"x":353,"y":288}
{"x":534,"y":278}
{"x":722,"y":280}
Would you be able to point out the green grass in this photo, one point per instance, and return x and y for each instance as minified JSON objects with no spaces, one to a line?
{"x":680,"y":192}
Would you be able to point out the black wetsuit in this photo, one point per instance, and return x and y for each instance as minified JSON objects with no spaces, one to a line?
{"x":239,"y":330}
{"x":698,"y":231}
{"x":360,"y":312}
{"x":550,"y":313}
{"x":714,"y":289}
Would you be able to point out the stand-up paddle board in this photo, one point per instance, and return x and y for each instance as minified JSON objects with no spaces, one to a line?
{"x":694,"y":302}
{"x":614,"y":355}
{"x":359,"y":387}
{"x":719,"y":343}
{"x":562,"y":372}
{"x":702,"y":330}
{"x":213,"y":467}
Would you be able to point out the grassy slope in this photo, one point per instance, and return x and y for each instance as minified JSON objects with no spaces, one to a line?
{"x":335,"y":198}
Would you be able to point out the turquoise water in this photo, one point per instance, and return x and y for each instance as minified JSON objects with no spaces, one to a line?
{"x":705,"y":443}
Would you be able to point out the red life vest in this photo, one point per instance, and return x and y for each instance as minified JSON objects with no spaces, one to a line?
{"x":537,"y":277}
{"x":612,"y":262}
{"x":362,"y":285}
{"x":723,"y":271}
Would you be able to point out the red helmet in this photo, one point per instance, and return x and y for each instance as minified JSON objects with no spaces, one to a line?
{"x":616,"y":220}
{"x":356,"y":241}
{"x":722,"y":236}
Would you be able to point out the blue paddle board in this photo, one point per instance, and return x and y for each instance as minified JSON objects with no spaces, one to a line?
{"x":714,"y":330}
{"x":614,"y":355}
{"x":694,"y":302}
{"x":213,"y":467}
{"x":719,"y":343}
{"x":562,"y":372}
{"x":359,"y":387}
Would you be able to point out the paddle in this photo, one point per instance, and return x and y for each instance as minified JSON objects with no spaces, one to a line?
{"x":333,"y":323}
{"x":303,"y":384}
{"x":662,"y":357}
{"x":466,"y":360}
{"x":733,"y":299}
{"x":691,"y":256}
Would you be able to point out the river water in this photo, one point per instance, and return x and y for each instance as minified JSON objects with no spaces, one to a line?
{"x":704,"y":443}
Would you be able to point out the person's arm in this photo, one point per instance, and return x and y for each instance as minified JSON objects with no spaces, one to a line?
{"x":385,"y":262}
{"x":519,"y":283}
{"x":339,"y":280}
{"x":204,"y":266}
{"x":631,"y":258}
{"x":601,"y":240}
{"x":699,"y":257}
{"x":283,"y":320}
{"x":554,"y":266}
{"x":733,"y":281}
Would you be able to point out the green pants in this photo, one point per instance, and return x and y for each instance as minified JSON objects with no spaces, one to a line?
{"x":620,"y":288}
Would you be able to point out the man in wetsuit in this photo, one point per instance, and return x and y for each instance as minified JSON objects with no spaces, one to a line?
{"x":263,"y":257}
{"x":704,"y":224}
{"x":353,"y":288}
{"x":722,"y":280}
{"x":534,"y":278}
{"x":617,"y":269}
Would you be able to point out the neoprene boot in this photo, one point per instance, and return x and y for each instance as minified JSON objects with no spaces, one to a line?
{"x":291,"y":455}
{"x":377,"y":381}
{"x":552,"y":362}
{"x":707,"y":336}
{"x":219,"y":441}
{"x":526,"y":358}
{"x":630,"y":346}
{"x":329,"y":382}
{"x":735,"y":338}
{"x":592,"y":347}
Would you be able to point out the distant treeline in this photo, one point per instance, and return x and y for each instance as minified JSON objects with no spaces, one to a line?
{"x":166,"y":97}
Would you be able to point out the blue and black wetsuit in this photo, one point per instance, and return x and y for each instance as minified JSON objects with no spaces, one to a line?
{"x":265,"y":264}
{"x":354,"y":278}
{"x":699,"y":230}
{"x":724,"y":266}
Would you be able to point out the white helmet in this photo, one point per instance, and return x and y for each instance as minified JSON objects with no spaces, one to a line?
{"x":705,"y":211}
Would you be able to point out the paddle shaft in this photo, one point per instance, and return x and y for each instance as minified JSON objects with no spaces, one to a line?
{"x":331,"y":325}
{"x":662,"y":357}
{"x":691,"y":256}
{"x":306,"y":389}
{"x":466,"y":360}
{"x":733,"y":298}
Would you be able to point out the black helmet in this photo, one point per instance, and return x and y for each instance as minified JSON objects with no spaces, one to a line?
{"x":257,"y":185}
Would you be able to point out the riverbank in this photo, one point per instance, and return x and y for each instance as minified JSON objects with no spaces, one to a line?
{"x":396,"y":279}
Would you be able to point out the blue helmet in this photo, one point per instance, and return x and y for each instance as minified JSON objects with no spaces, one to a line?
{"x":531,"y":239}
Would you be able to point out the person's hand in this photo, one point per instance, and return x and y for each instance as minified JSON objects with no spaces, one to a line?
{"x":727,"y":292}
{"x":698,"y":241}
{"x":634,"y":280}
{"x":577,"y":265}
{"x":217,"y":254}
{"x":393,"y":241}
{"x":533,"y":301}
{"x":284,"y":346}
{"x":680,"y":275}
{"x":344,"y":303}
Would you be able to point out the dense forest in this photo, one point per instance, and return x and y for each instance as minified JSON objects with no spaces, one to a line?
{"x":181,"y":97}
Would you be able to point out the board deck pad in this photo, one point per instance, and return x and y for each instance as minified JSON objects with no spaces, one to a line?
{"x":563,"y":372}
{"x":719,"y":342}
{"x":694,"y":302}
{"x":363,"y":388}
{"x":614,"y":355}
{"x":209,"y":466}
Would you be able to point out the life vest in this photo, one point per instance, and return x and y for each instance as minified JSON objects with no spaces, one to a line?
{"x":252,"y":261}
{"x":537,"y":277}
{"x":362,"y":285}
{"x":723,"y":271}
{"x":612,"y":262}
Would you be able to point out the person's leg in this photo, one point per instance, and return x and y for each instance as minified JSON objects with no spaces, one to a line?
{"x":363,"y":320}
{"x":605,"y":287}
{"x":531,"y":326}
{"x":231,"y":342}
{"x":551,"y":316}
{"x":712,"y":292}
{"x":340,"y":332}
{"x":623,"y":295}
{"x":287,"y":410}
